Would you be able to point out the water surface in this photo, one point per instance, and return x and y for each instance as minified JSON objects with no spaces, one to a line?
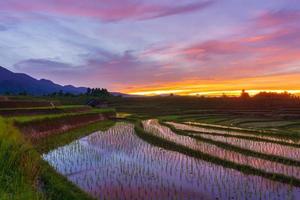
{"x":116,"y":164}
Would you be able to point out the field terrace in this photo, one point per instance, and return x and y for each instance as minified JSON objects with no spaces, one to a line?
{"x":37,"y":126}
{"x":278,"y":158}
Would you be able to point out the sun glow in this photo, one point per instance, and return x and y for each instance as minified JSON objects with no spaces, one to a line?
{"x":279,"y":83}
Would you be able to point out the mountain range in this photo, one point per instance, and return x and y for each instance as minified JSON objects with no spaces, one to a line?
{"x":15,"y":83}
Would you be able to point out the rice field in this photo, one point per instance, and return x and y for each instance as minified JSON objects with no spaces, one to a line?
{"x":233,"y":131}
{"x":117,"y":164}
{"x":268,"y":148}
{"x":154,"y":127}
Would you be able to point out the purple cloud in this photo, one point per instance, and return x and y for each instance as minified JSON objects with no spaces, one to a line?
{"x":106,"y":10}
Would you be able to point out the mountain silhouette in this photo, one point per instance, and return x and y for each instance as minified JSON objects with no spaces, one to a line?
{"x":15,"y":83}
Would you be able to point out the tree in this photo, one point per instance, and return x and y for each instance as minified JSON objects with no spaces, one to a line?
{"x":245,"y":94}
{"x":97,"y":92}
{"x":88,"y":91}
{"x":274,"y":95}
{"x":60,"y":93}
{"x":24,"y":93}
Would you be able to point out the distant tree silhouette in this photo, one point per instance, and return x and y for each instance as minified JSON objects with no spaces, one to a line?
{"x":97,"y":92}
{"x":88,"y":91}
{"x":224,"y":95}
{"x":24,"y":93}
{"x":60,"y":93}
{"x":274,"y":95}
{"x":244,"y":94}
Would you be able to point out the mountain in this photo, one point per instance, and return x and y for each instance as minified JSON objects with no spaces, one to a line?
{"x":17,"y":82}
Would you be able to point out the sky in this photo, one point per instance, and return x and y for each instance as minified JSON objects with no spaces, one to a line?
{"x":187,"y":47}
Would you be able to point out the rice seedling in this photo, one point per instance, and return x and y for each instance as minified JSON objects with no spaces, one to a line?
{"x":236,"y":131}
{"x":268,"y":148}
{"x":154,"y":127}
{"x":117,"y":164}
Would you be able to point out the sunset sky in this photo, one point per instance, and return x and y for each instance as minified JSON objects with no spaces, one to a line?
{"x":189,"y":47}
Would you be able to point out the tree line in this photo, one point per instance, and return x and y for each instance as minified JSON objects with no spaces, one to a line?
{"x":93,"y":92}
{"x":97,"y":92}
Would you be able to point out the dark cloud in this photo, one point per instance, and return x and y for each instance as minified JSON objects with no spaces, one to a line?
{"x":41,"y":65}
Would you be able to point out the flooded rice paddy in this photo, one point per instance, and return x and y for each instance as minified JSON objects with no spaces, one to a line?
{"x":154,"y":127}
{"x":258,"y":146}
{"x":234,"y":131}
{"x":117,"y":164}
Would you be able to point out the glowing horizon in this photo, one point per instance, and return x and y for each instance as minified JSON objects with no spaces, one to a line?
{"x":211,"y":93}
{"x":228,"y":87}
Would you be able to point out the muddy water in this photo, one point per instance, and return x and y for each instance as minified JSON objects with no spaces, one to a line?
{"x":116,"y":164}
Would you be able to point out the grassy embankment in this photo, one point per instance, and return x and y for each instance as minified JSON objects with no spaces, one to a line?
{"x":169,"y":145}
{"x":40,"y":126}
{"x":55,"y":185}
{"x":19,"y":166}
{"x":49,"y":143}
{"x":11,"y":112}
{"x":273,"y":115}
{"x":234,"y":148}
{"x":246,"y":136}
{"x":263,"y":126}
{"x":45,"y":117}
{"x":24,"y":175}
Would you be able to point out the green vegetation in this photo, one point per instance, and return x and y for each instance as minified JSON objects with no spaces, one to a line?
{"x":64,"y":107}
{"x":19,"y":166}
{"x":97,"y":92}
{"x":46,"y":144}
{"x":56,"y":186}
{"x":26,"y":119}
{"x":247,"y":152}
{"x":23,"y":174}
{"x":246,"y":136}
{"x":169,"y":145}
{"x":264,"y":126}
{"x":259,"y":126}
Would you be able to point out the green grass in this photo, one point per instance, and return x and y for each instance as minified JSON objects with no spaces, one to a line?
{"x":289,"y":129}
{"x":56,"y":186}
{"x":25,"y":119}
{"x":66,"y":107}
{"x":19,"y":166}
{"x":267,"y":124}
{"x":23,"y":175}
